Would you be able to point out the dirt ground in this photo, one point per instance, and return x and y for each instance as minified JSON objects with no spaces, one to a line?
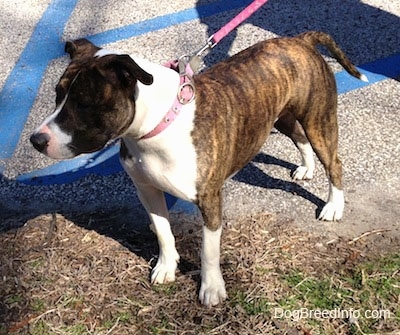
{"x":91,"y":276}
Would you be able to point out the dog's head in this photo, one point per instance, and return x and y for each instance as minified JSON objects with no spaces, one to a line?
{"x":95,"y":102}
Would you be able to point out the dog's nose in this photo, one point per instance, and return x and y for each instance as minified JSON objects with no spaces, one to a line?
{"x":40,"y":141}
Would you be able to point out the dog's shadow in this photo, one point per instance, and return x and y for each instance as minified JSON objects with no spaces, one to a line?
{"x":373,"y":30}
{"x":143,"y":242}
{"x":129,"y":226}
{"x":132,"y":231}
{"x":252,"y":175}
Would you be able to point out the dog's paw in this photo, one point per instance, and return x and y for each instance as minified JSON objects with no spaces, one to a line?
{"x":302,"y":173}
{"x":331,"y":212}
{"x":212,"y":296}
{"x":212,"y":291}
{"x":164,"y":271}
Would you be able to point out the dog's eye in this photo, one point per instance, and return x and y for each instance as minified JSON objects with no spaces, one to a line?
{"x":86,"y":105}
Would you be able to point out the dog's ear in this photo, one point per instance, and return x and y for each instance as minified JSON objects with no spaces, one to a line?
{"x":80,"y":48}
{"x":130,"y":70}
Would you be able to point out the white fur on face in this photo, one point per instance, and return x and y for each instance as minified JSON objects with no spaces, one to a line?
{"x":57,"y":147}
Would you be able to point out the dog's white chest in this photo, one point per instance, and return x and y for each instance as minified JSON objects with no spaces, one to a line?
{"x":167,"y":161}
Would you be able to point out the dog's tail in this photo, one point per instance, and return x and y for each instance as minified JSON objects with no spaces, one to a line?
{"x":317,"y":37}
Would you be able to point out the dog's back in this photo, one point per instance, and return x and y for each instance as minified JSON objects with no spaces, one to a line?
{"x":240,"y":98}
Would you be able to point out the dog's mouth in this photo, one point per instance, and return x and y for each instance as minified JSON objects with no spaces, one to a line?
{"x":73,"y":149}
{"x":93,"y":147}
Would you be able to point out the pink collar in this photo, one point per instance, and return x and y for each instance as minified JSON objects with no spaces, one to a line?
{"x":186,"y":94}
{"x":186,"y":91}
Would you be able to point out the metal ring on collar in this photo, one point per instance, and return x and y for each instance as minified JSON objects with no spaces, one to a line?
{"x":182,"y":99}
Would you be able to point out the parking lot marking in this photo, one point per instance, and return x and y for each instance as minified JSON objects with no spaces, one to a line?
{"x":106,"y":162}
{"x":167,"y":20}
{"x":21,"y":87}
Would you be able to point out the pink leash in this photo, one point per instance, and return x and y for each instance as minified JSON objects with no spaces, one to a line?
{"x":226,"y":29}
{"x":187,"y":66}
{"x":242,"y":16}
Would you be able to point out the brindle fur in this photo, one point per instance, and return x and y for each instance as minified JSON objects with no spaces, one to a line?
{"x":240,"y":99}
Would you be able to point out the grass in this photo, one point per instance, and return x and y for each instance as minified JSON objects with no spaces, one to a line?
{"x":38,"y":305}
{"x":123,"y":317}
{"x":251,"y":304}
{"x":40,"y":328}
{"x":323,"y":293}
{"x":367,"y":296}
{"x":278,"y":282}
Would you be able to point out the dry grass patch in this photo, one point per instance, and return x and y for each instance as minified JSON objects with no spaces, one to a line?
{"x":60,"y":278}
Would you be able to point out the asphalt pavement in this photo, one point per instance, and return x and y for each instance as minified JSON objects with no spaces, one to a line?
{"x":33,"y":33}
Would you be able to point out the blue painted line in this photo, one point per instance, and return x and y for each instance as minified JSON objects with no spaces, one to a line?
{"x":45,"y":45}
{"x":35,"y":59}
{"x":22,"y":85}
{"x":106,"y":162}
{"x":102,"y":163}
{"x":165,"y":21}
{"x":376,"y":71}
{"x":388,"y":67}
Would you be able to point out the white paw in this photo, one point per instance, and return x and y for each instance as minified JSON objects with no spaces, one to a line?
{"x":302,"y":173}
{"x":331,"y":212}
{"x":212,"y":291}
{"x":164,"y":271}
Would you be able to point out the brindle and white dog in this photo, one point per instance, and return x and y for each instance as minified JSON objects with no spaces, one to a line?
{"x":283,"y":83}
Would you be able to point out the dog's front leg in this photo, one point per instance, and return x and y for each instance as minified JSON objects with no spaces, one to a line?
{"x":154,"y":202}
{"x":212,"y":289}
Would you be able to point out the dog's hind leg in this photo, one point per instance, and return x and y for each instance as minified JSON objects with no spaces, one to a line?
{"x":288,"y":125}
{"x":323,"y":137}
